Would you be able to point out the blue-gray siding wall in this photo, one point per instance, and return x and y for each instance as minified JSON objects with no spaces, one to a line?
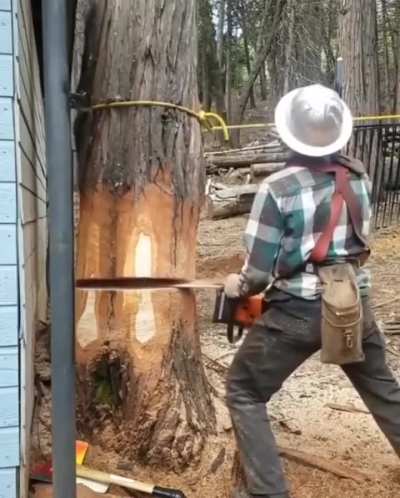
{"x":23,"y":238}
{"x":9,"y":311}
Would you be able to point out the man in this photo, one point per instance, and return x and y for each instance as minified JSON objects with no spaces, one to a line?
{"x":290,"y":212}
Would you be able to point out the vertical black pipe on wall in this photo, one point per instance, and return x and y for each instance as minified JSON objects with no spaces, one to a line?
{"x":56,"y":51}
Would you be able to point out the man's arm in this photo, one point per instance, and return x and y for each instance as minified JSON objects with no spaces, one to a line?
{"x":262,"y":239}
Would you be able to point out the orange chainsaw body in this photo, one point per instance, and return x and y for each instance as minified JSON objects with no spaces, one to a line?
{"x":238,"y":312}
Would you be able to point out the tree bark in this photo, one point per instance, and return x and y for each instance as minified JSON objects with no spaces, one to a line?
{"x":245,"y":30}
{"x":358,"y":42}
{"x":358,"y":39}
{"x":289,"y":48}
{"x":220,"y":97}
{"x":141,"y":386}
{"x":396,"y":57}
{"x":248,"y":67}
{"x":228,"y":58}
{"x":386,"y":103}
{"x":263,"y":83}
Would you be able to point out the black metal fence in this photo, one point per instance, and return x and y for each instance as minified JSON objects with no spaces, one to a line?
{"x":378,"y":146}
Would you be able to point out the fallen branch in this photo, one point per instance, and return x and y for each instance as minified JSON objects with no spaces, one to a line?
{"x":214,"y":365}
{"x":386,"y":303}
{"x":347,"y":408}
{"x":324,"y":465}
{"x":393,"y":352}
{"x":241,"y":160}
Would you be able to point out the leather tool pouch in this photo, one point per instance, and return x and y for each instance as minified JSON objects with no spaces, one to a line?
{"x":341,"y":315}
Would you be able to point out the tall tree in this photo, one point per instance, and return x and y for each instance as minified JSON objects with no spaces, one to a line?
{"x":209,"y":69}
{"x":141,"y":385}
{"x":357,"y":46}
{"x":264,"y":49}
{"x":289,"y":47}
{"x":242,"y":11}
{"x":220,"y":97}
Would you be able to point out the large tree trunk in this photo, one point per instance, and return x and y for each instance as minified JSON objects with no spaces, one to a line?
{"x":141,"y":386}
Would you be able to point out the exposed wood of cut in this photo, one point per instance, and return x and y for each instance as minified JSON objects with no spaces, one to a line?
{"x":231,"y":201}
{"x":141,"y":385}
{"x":240,"y":160}
{"x":265,"y":169}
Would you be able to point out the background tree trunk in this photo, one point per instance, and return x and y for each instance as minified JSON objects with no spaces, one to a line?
{"x":228,"y":59}
{"x":358,"y":46}
{"x":289,"y":48}
{"x":358,"y":42}
{"x":242,"y":9}
{"x":141,"y":386}
{"x":263,"y":82}
{"x":220,"y":97}
{"x":262,"y":55}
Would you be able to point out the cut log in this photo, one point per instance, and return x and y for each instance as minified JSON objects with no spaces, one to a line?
{"x":241,"y":160}
{"x":231,"y":201}
{"x":265,"y":169}
{"x":141,"y":387}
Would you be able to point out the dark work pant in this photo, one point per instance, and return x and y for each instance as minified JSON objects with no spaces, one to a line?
{"x":287,"y":335}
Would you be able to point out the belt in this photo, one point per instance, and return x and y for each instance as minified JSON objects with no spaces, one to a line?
{"x":356,"y":261}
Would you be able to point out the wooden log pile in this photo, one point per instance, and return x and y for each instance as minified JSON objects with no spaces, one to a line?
{"x":234,"y":176}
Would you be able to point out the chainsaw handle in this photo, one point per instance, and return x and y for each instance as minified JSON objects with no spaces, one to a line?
{"x":230,"y":332}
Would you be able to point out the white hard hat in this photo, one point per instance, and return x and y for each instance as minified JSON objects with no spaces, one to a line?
{"x":313,"y":121}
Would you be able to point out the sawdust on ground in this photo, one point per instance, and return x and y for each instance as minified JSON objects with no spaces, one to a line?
{"x":301,"y":418}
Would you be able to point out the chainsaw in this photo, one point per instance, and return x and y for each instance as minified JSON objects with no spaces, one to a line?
{"x":237,"y":313}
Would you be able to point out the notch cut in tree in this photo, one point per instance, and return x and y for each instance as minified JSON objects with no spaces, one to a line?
{"x":142,"y":390}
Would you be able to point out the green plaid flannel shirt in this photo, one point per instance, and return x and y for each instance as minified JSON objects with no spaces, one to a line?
{"x":290,"y":211}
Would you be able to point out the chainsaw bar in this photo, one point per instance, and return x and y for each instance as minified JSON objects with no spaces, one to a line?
{"x":145,"y":283}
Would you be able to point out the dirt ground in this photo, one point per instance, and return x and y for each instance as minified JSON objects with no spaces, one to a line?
{"x":302,"y":417}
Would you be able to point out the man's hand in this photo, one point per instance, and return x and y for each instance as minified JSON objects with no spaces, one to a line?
{"x":232,"y":285}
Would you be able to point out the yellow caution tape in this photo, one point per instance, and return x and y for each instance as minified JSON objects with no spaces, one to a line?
{"x":269,"y":125}
{"x":377,"y":118}
{"x":205,"y":118}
